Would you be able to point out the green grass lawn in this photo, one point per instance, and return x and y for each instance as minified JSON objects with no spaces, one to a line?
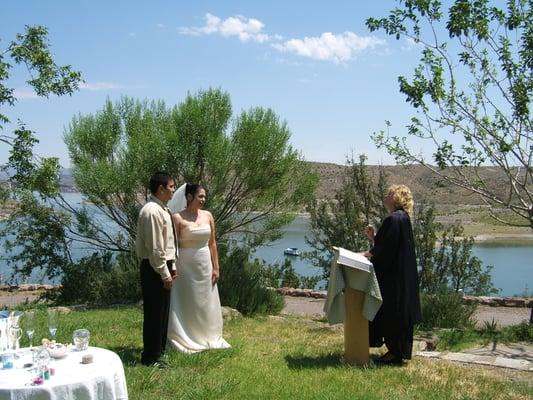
{"x":279,"y":358}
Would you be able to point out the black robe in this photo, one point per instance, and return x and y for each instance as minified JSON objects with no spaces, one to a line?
{"x":394,"y":259}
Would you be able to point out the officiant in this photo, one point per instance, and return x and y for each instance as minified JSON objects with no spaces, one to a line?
{"x":394,"y":259}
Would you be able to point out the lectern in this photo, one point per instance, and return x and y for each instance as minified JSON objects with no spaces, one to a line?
{"x":353,"y":298}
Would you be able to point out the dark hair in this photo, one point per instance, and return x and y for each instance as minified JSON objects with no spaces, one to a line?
{"x":160,"y":178}
{"x":193,"y":189}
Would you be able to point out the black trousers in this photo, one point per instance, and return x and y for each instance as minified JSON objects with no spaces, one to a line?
{"x":400,"y":343}
{"x":397,"y":338}
{"x":156,"y":303}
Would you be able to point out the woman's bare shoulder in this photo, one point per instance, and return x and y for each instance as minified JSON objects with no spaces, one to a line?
{"x":177,"y":217}
{"x":207,"y":213}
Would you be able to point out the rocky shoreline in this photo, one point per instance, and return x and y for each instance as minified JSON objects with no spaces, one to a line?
{"x":27,"y":287}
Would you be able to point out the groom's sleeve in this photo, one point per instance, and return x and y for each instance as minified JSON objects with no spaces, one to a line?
{"x":155,"y":245}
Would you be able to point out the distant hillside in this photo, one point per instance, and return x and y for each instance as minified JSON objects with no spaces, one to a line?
{"x":65,"y":179}
{"x":423,"y":183}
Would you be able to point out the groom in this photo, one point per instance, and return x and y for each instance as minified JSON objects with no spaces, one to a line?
{"x":156,"y":248}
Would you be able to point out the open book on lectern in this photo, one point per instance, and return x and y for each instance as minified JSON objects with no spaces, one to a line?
{"x":351,"y":259}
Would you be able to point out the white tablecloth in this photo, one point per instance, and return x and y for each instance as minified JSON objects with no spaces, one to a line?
{"x":348,"y":269}
{"x":103,"y":379}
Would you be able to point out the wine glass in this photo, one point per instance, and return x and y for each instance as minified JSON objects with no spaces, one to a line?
{"x":30,"y":326}
{"x":52,"y":322}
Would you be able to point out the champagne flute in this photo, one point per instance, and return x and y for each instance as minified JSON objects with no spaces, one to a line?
{"x":16,"y":334}
{"x":30,"y":326}
{"x":52,"y":322}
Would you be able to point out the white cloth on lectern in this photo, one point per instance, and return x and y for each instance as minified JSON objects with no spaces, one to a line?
{"x":334,"y":306}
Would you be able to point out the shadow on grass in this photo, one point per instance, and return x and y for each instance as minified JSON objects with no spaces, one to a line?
{"x":319,"y":362}
{"x":128,"y":355}
{"x":332,"y":360}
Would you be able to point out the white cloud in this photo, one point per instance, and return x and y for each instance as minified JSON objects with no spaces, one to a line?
{"x":338,"y":48}
{"x":132,"y":34}
{"x":411,"y":44}
{"x":330,"y":47}
{"x":24,"y":94}
{"x":161,"y":26}
{"x":96,"y":86}
{"x":244,"y":28}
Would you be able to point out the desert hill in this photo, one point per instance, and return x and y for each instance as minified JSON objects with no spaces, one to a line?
{"x":424,"y":184}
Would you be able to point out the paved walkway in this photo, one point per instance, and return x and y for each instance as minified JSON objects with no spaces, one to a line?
{"x":517,"y":356}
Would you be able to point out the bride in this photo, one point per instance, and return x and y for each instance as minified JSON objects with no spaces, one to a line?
{"x":195,"y":320}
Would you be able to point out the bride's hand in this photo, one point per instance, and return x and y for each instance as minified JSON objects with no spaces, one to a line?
{"x":214,"y":277}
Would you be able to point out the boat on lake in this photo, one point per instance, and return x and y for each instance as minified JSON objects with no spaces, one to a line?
{"x":291,"y":251}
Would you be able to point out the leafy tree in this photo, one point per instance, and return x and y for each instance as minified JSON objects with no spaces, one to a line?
{"x":445,"y":260}
{"x":32,"y":178}
{"x":255,"y":179}
{"x":472,"y":91}
{"x":31,"y":49}
{"x":34,"y":237}
{"x":444,"y":257}
{"x":341,"y":221}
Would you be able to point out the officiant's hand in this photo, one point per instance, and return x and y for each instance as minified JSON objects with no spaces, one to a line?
{"x":370,"y":232}
{"x":366,"y":254}
{"x":167,"y":282}
{"x":214,"y":277}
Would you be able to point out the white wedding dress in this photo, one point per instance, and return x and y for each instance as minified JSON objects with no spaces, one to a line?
{"x":195,"y":320}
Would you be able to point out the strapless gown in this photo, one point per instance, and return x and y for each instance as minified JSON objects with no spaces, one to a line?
{"x":195,"y":320}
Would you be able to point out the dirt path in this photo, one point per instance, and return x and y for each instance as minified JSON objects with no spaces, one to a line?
{"x":12,"y":299}
{"x":504,"y":316}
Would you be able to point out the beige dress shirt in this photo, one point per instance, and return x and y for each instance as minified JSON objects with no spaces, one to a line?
{"x":155,"y":236}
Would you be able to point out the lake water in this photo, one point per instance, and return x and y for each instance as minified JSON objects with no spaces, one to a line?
{"x":512,"y":262}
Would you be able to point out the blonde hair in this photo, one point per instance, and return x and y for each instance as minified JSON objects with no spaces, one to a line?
{"x":402,"y":198}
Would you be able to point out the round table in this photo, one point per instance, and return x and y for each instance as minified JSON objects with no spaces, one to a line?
{"x":103,"y":379}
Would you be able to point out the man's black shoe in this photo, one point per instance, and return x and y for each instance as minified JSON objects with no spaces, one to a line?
{"x":158,"y":364}
{"x":389,"y":361}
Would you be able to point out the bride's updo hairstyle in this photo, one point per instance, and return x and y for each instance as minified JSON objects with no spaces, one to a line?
{"x":192,"y":189}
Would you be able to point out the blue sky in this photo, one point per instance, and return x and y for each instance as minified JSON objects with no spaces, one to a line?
{"x":313,"y":62}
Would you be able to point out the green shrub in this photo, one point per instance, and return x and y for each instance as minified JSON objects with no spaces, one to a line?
{"x":460,"y":339}
{"x":284,"y":275}
{"x":446,"y":310}
{"x":243,"y":285}
{"x":99,"y":279}
{"x":523,"y":332}
{"x":445,"y":260}
{"x":309,"y":282}
{"x":457,"y":339}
